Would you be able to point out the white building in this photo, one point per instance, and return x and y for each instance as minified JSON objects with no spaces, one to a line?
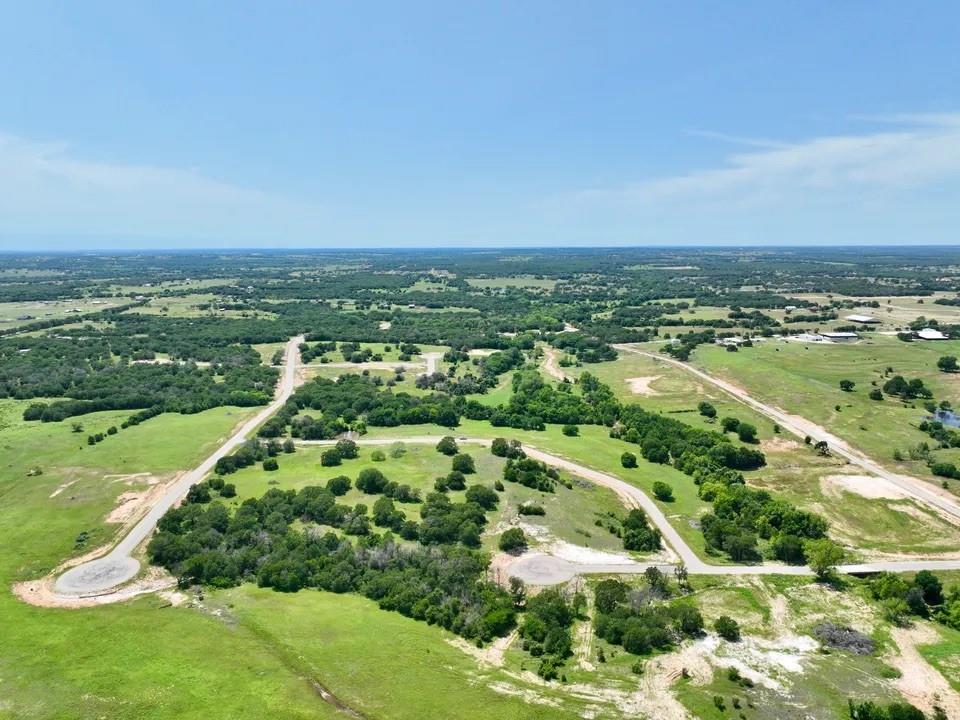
{"x":865,"y":319}
{"x":840,"y":336}
{"x":931,"y":334}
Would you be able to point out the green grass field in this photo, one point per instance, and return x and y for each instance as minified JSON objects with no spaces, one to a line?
{"x":805,"y":380}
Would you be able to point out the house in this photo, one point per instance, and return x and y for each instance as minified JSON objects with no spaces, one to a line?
{"x":840,"y":336}
{"x":863,"y":319}
{"x":790,"y":308}
{"x":931,"y":334}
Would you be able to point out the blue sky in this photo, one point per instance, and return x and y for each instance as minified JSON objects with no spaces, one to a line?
{"x":292,"y":124}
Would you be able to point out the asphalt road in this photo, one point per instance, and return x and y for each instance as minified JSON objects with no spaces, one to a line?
{"x":119,"y":566}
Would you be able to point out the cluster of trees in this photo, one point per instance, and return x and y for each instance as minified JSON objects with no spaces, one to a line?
{"x":352,"y":402}
{"x":869,"y":710}
{"x":489,"y":370}
{"x":586,"y":348}
{"x":906,"y":389}
{"x":251,"y":452}
{"x":535,"y":402}
{"x":741,"y":515}
{"x":923,"y":596}
{"x":546,"y":629}
{"x":442,"y":585}
{"x":644,"y":620}
{"x":531,"y":473}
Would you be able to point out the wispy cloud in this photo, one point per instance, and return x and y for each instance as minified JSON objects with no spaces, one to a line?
{"x":45,"y":188}
{"x":923,"y":152}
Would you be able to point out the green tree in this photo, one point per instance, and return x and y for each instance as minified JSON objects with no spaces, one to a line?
{"x":330,"y":458}
{"x":662,"y":491}
{"x":464,"y":463}
{"x":513,"y":541}
{"x":447,"y":446}
{"x":948,"y":364}
{"x":727,"y":628}
{"x":628,"y":460}
{"x":847,"y":385}
{"x":823,"y":556}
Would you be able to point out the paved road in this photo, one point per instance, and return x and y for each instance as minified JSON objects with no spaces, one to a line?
{"x":119,"y":565}
{"x":545,"y":569}
{"x":801,"y":427}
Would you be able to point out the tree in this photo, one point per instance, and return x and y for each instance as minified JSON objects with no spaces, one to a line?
{"x":876,"y":394}
{"x":447,"y":446}
{"x":727,"y":628}
{"x":347,"y":449}
{"x":822,"y":448}
{"x":482,"y":496}
{"x":500,"y":447}
{"x":628,"y":460}
{"x":289,"y":446}
{"x":571,"y":430}
{"x":823,"y":555}
{"x":228,"y":490}
{"x":847,"y":385}
{"x":330,"y":458}
{"x":662,"y":491}
{"x":707,"y":410}
{"x":948,"y":364}
{"x":339,"y":485}
{"x":747,"y":432}
{"x":371,"y":481}
{"x":513,"y":541}
{"x":464,"y":463}
{"x":729,"y":424}
{"x":271,"y":464}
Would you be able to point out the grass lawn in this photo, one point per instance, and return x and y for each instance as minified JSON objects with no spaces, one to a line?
{"x":518,"y":281}
{"x":805,"y":380}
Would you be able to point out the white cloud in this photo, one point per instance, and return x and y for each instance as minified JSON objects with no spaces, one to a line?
{"x":46,"y":189}
{"x":925,"y":152}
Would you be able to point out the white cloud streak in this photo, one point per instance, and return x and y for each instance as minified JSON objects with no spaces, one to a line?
{"x":827,"y":169}
{"x":45,"y":189}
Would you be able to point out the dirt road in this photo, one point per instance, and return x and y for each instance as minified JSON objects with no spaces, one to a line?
{"x":801,"y":427}
{"x":119,"y":565}
{"x":551,"y":363}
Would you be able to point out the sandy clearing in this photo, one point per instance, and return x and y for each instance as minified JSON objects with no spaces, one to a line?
{"x":921,"y":683}
{"x":481,"y":352}
{"x":492,"y":655}
{"x":384,"y":325}
{"x":641,"y":385}
{"x":551,"y":367}
{"x":868,"y":486}
{"x":779,"y":444}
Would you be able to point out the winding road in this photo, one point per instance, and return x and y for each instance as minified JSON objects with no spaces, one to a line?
{"x":103,"y":575}
{"x":119,"y":565}
{"x":543,"y":569}
{"x":801,"y":427}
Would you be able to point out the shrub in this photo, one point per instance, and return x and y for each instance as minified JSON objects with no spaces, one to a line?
{"x":378,"y":456}
{"x":847,"y":385}
{"x":662,"y":491}
{"x":707,"y":410}
{"x":531,"y":509}
{"x":747,"y":432}
{"x":228,"y":490}
{"x":371,"y":481}
{"x":347,"y":449}
{"x":330,"y":458}
{"x":339,"y":485}
{"x":628,"y":460}
{"x":271,"y":464}
{"x":513,"y":540}
{"x":571,"y":430}
{"x":447,"y":446}
{"x":727,"y":628}
{"x":464,"y":463}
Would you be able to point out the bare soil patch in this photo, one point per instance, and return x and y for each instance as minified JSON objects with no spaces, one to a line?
{"x":868,"y":486}
{"x":641,"y":385}
{"x":921,"y":683}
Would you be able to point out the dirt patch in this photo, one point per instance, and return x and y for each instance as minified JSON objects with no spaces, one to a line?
{"x":641,"y":385}
{"x":921,"y":683}
{"x":868,"y":486}
{"x":384,"y":325}
{"x":64,"y":486}
{"x":779,"y":444}
{"x":491,"y":655}
{"x":133,"y":504}
{"x":551,"y":367}
{"x":41,"y":593}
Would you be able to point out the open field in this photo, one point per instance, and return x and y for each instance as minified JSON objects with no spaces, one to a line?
{"x":804,"y":379}
{"x":526,"y":281}
{"x":17,"y":314}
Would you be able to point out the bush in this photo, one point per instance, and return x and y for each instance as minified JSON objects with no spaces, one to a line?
{"x":378,"y":456}
{"x":876,"y":394}
{"x":271,"y":464}
{"x":662,"y":491}
{"x":482,"y":496}
{"x":747,"y":432}
{"x":513,"y":540}
{"x":847,"y":385}
{"x":339,"y":485}
{"x":727,"y":628}
{"x":707,"y":410}
{"x":347,"y":449}
{"x":628,"y":460}
{"x":571,"y":430}
{"x":228,"y":490}
{"x":371,"y":481}
{"x":729,"y":424}
{"x":447,"y":446}
{"x":330,"y":458}
{"x":531,"y":509}
{"x":464,"y":463}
